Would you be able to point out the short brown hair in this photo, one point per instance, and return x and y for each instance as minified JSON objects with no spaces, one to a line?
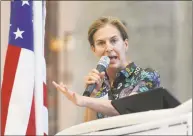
{"x":101,"y":22}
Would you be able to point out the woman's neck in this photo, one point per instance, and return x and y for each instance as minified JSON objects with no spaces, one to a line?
{"x":113,"y":71}
{"x":112,"y":74}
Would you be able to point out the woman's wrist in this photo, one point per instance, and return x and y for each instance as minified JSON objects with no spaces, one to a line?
{"x":84,"y":101}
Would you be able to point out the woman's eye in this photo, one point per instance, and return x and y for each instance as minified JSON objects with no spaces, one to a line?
{"x":114,"y":41}
{"x":100,"y":43}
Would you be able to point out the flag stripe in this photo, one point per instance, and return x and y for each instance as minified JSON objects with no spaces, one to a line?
{"x":45,"y":110}
{"x":21,"y":96}
{"x":39,"y":67}
{"x":10,"y":67}
{"x":45,"y":95}
{"x":31,"y":129}
{"x":45,"y":117}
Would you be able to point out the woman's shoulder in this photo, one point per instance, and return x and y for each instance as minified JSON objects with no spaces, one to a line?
{"x":150,"y":75}
{"x":147,"y":71}
{"x":150,"y":72}
{"x":137,"y":74}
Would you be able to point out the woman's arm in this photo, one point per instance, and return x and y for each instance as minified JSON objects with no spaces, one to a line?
{"x":98,"y":105}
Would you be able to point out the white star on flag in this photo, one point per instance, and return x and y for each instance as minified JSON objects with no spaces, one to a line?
{"x":18,"y":33}
{"x":25,"y":2}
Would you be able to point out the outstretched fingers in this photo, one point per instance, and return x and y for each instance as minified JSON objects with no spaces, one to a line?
{"x":71,"y":95}
{"x":61,"y":87}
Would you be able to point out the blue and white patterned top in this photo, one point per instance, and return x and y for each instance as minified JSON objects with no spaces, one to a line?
{"x":131,"y":79}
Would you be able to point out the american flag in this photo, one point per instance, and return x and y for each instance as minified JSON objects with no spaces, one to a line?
{"x":23,"y":93}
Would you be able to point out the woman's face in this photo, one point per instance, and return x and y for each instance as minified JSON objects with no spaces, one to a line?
{"x":108,"y":42}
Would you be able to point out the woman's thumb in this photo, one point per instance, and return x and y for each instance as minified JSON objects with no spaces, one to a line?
{"x":102,"y":74}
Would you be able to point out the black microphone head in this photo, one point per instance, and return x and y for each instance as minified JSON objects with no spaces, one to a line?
{"x":104,"y":60}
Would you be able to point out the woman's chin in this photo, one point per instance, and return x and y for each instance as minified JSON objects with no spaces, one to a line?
{"x":113,"y":65}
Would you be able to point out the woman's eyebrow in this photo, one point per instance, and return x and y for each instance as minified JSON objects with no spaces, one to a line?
{"x":99,"y":40}
{"x":114,"y":37}
{"x":102,"y":40}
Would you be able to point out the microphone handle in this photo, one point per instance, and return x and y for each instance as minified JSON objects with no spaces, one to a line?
{"x":89,"y":90}
{"x":91,"y":87}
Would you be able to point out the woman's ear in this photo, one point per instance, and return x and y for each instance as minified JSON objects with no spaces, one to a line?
{"x":92,"y":48}
{"x":126,"y":45}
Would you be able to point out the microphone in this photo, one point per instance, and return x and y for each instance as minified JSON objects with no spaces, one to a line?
{"x":101,"y":66}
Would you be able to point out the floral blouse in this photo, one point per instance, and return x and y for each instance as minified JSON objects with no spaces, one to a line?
{"x":131,"y":79}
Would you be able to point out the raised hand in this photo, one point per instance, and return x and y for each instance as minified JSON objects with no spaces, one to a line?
{"x":72,"y":96}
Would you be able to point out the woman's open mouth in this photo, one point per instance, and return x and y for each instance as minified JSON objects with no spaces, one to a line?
{"x":113,"y":59}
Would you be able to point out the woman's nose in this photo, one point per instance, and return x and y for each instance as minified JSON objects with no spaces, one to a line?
{"x":109,"y":47}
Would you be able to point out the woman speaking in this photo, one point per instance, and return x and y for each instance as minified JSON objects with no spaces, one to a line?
{"x":108,"y":37}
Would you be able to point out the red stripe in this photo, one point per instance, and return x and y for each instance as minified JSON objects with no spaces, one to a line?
{"x":45,"y":95}
{"x":10,"y":67}
{"x":45,"y":99}
{"x":31,"y":129}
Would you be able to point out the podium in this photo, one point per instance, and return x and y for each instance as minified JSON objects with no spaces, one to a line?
{"x":167,"y":116}
{"x":158,"y":98}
